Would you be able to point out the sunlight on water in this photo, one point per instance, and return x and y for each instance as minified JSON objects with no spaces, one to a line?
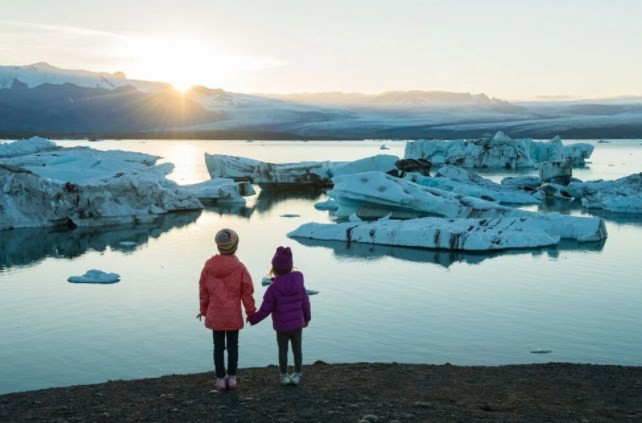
{"x":582,"y":301}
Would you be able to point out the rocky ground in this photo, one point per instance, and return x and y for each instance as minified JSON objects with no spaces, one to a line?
{"x":360,"y":392}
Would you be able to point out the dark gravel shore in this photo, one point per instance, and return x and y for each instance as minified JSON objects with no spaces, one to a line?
{"x":359,"y":392}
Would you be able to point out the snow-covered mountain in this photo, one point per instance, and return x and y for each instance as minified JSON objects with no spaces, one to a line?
{"x":31,"y":76}
{"x":46,"y":100}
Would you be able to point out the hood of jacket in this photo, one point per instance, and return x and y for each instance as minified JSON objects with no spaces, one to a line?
{"x":222,"y":265}
{"x":288,"y":284}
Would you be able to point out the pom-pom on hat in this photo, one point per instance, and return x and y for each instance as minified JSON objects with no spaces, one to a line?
{"x":227,"y":241}
{"x":282,"y":260}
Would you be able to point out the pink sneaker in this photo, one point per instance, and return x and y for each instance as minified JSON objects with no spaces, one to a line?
{"x":231,"y":382}
{"x":220,"y":384}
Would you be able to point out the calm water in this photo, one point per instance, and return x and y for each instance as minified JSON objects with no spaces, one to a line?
{"x":583,"y":302}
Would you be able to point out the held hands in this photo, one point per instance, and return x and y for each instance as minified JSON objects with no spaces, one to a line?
{"x":306,"y":324}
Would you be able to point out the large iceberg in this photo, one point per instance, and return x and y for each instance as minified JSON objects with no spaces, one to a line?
{"x":500,"y":151}
{"x":81,"y":186}
{"x":622,"y":195}
{"x":437,"y":233}
{"x":30,"y":201}
{"x":301,"y":173}
{"x":376,"y":194}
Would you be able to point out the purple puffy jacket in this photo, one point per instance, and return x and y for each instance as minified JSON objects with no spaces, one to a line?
{"x":288,"y":301}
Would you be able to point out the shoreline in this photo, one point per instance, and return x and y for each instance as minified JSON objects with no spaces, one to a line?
{"x":391,"y":392}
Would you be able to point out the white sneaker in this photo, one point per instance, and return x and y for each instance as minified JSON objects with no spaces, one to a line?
{"x":231,"y":382}
{"x":285,"y":379}
{"x":296,"y":378}
{"x":221,"y":384}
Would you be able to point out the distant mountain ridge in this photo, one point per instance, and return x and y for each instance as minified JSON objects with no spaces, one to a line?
{"x":49,"y":101}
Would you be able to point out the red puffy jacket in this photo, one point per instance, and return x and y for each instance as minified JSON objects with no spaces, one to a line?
{"x":224,"y":284}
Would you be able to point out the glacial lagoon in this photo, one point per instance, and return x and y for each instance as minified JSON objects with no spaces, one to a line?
{"x":583,"y":302}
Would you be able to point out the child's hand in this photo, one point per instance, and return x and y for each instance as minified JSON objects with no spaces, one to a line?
{"x":198,"y":316}
{"x":305,"y":325}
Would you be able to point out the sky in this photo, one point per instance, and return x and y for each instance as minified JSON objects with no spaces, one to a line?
{"x":506,"y":49}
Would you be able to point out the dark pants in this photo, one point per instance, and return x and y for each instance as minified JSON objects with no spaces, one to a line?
{"x":232,"y":346}
{"x":283,"y":338}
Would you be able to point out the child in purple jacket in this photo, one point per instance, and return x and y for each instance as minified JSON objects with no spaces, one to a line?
{"x":288,"y":302}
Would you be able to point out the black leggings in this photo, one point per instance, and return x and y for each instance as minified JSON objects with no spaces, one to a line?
{"x":232,"y":351}
{"x":283,"y":338}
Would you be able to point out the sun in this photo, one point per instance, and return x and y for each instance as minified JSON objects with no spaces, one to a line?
{"x":181,"y":86}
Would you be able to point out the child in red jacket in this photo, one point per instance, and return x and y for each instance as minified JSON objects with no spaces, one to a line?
{"x":225,"y":283}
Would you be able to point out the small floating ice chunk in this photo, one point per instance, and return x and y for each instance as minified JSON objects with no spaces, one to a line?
{"x":384,"y":147}
{"x":541,"y":351}
{"x":311,"y":292}
{"x":95,"y":276}
{"x":290,"y":215}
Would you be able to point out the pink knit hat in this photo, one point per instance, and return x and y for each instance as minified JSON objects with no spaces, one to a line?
{"x":227,"y":241}
{"x":282,"y":260}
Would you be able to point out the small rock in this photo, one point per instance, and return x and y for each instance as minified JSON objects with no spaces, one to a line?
{"x":319,"y":363}
{"x":369,"y":418}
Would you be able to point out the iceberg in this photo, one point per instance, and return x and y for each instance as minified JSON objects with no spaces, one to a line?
{"x":437,"y":233}
{"x":95,"y":276}
{"x":376,"y":194}
{"x":24,"y":147}
{"x":500,"y":151}
{"x":301,"y":173}
{"x":459,"y":180}
{"x":29,"y":200}
{"x":623,"y":195}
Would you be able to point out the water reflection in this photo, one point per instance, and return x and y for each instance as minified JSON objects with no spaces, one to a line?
{"x":269,"y":198}
{"x":443,"y":258}
{"x":24,"y":247}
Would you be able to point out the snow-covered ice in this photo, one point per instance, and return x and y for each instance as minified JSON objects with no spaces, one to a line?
{"x":500,"y":151}
{"x":299,"y":173}
{"x":95,"y":276}
{"x":27,"y":146}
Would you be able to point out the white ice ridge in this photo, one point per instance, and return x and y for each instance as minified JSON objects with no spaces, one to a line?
{"x":300,"y":173}
{"x":459,"y":180}
{"x":24,"y":147}
{"x":220,"y":190}
{"x":622,"y":195}
{"x":84,"y":164}
{"x":499,"y":151}
{"x":95,"y":276}
{"x":376,"y":194}
{"x":437,"y":233}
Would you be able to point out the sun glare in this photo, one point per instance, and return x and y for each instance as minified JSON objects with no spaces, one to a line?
{"x":181,"y":87}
